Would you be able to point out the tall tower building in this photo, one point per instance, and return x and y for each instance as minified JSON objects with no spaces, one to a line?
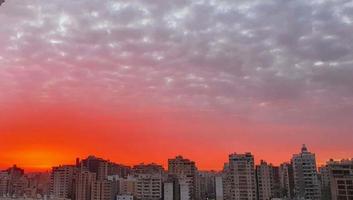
{"x":186,"y":170}
{"x":4,"y":183}
{"x":241,"y":175}
{"x":306,"y":180}
{"x":61,"y":183}
{"x":149,"y":179}
{"x":324,"y":176}
{"x":127,"y":186}
{"x":84,"y":180}
{"x":13,"y":181}
{"x":96,"y":165}
{"x":184,"y":189}
{"x":207,"y":184}
{"x":286,"y":180}
{"x":219,"y":187}
{"x":149,"y":186}
{"x":267,"y":181}
{"x":340,"y":179}
{"x":226,"y":181}
{"x":171,"y":188}
{"x":103,"y":190}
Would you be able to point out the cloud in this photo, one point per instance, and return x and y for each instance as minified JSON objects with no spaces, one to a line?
{"x":221,"y":56}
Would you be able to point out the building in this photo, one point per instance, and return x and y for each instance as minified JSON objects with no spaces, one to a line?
{"x":84,"y":180}
{"x":61,"y":181}
{"x":37,"y":184}
{"x":340,"y":174}
{"x":149,"y":181}
{"x":186,"y":170}
{"x":226,"y":181}
{"x":286,"y":180}
{"x":184,"y":187}
{"x":4,"y":183}
{"x":219,"y":187}
{"x":207,"y":184}
{"x":103,"y":190}
{"x":118,"y":169}
{"x":103,"y":168}
{"x":13,"y":182}
{"x":96,"y":165}
{"x":168,"y":190}
{"x":127,"y":186}
{"x":267,"y":181}
{"x":148,"y":169}
{"x":241,"y":177}
{"x":324,"y":176}
{"x":171,"y":188}
{"x":149,"y":187}
{"x":306,"y":182}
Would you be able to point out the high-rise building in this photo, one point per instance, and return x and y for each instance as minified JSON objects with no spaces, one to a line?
{"x":103,"y":190}
{"x":96,"y":165}
{"x":207,"y":184}
{"x":171,"y":188}
{"x":103,"y":168}
{"x":219,"y":187}
{"x":13,"y":182}
{"x":226,"y":181}
{"x":324,"y":176}
{"x":37,"y":184}
{"x":168,"y":190}
{"x":186,"y":170}
{"x":127,"y":186}
{"x":4,"y":183}
{"x":84,"y":180}
{"x":286,"y":180}
{"x":241,"y":177}
{"x":118,"y":169}
{"x":149,"y":179}
{"x":149,"y":187}
{"x":61,"y":183}
{"x":148,"y":169}
{"x":306,"y":182}
{"x":184,"y":186}
{"x":267,"y":181}
{"x":340,"y":174}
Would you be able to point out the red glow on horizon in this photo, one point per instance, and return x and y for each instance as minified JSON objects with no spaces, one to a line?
{"x":37,"y":139}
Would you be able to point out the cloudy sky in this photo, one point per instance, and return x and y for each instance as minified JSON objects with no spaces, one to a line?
{"x":142,"y":81}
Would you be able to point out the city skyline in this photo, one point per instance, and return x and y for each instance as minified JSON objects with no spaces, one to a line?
{"x":258,"y":161}
{"x":94,"y":178}
{"x":141,"y":81}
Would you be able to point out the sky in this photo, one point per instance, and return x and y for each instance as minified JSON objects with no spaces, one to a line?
{"x":143,"y":81}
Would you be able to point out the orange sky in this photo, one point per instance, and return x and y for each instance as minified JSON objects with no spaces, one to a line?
{"x":144,"y":81}
{"x":38,"y":137}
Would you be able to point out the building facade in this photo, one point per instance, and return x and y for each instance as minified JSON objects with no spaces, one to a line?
{"x":187,"y":171}
{"x":306,"y":182}
{"x":241,"y":177}
{"x":286,"y":180}
{"x":267,"y":177}
{"x":340,"y":179}
{"x":61,"y":183}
